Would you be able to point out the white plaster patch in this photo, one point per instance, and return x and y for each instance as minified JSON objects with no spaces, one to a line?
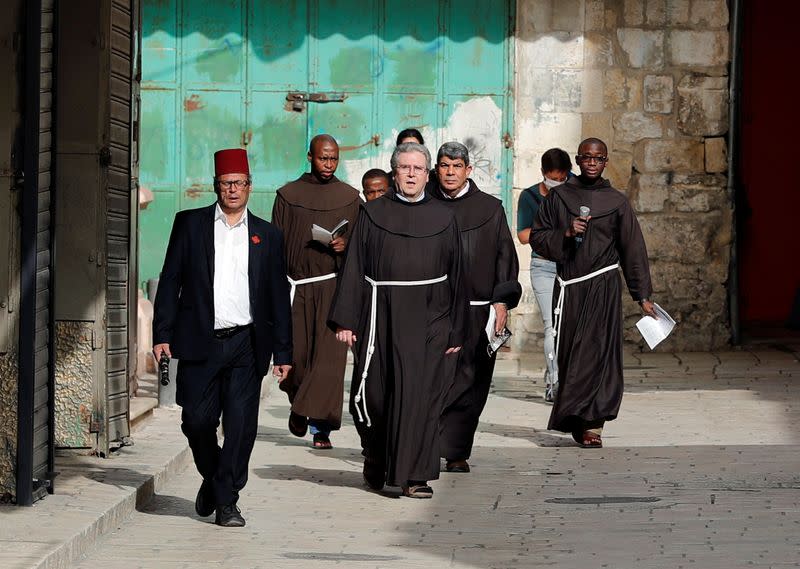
{"x":477,"y":123}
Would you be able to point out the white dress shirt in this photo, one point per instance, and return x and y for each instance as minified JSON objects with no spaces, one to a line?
{"x":231,"y":282}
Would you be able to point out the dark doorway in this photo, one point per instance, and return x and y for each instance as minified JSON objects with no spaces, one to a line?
{"x":769,"y":198}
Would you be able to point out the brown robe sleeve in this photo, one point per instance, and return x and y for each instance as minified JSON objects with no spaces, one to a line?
{"x":506,"y":287}
{"x":633,"y":254}
{"x":349,"y":299}
{"x":459,"y":304}
{"x":279,"y":213}
{"x":548,"y":237}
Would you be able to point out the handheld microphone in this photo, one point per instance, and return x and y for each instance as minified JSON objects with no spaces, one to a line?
{"x":584,"y":211}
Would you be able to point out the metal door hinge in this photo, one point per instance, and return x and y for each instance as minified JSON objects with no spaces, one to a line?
{"x":508,"y":140}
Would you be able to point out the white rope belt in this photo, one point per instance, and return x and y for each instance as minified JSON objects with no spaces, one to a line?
{"x":309,"y":280}
{"x":562,"y":296}
{"x":479,"y":302}
{"x":361,"y":394}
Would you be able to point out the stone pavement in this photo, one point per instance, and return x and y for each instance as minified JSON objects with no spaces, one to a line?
{"x":702,"y":469}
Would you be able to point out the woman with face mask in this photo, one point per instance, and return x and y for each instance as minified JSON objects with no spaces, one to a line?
{"x":556,"y":168}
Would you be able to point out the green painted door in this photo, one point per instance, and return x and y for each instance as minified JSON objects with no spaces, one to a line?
{"x":268,"y":75}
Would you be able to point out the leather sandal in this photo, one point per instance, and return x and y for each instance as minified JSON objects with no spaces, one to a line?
{"x":322,"y":442}
{"x":588,"y":439}
{"x":420,"y":490}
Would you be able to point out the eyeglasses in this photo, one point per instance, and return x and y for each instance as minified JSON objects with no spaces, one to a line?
{"x":406,"y":168}
{"x":228,"y":184}
{"x":588,"y":158}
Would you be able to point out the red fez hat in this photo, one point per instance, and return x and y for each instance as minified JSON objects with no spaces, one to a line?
{"x":231,"y":161}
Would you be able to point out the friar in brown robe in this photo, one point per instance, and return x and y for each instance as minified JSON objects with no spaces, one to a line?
{"x":589,"y":334}
{"x":315,"y":385}
{"x":400,"y":304}
{"x":491,"y":268}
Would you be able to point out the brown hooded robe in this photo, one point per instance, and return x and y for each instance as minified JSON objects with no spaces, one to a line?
{"x":590,"y":345}
{"x":315,"y":385}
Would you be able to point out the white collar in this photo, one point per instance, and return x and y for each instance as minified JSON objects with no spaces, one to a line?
{"x":405,"y":199}
{"x":220,"y":215}
{"x":464,"y":189}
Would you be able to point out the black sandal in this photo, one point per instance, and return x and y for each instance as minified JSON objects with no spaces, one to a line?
{"x":322,"y":442}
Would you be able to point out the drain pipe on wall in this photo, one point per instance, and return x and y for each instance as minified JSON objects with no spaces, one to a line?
{"x":734,"y":90}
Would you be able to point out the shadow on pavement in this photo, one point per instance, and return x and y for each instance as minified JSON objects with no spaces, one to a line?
{"x":321,"y":476}
{"x":541,"y":437}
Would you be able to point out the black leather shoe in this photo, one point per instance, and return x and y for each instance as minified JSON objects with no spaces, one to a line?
{"x":229,"y":516}
{"x":204,"y":503}
{"x":461,"y":466}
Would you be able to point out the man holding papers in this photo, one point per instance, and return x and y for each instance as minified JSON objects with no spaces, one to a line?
{"x":588,"y":249}
{"x":490,"y":275}
{"x":315,"y":385}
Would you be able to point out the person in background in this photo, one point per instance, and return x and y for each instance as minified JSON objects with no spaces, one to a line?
{"x":410,"y":135}
{"x":315,"y":386}
{"x":374,"y":183}
{"x":589,"y":249}
{"x":490,"y":268}
{"x":556,"y":167}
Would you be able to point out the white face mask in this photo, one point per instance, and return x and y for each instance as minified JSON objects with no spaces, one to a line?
{"x":550,"y":184}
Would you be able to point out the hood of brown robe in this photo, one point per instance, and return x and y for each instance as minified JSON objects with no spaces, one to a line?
{"x":307,"y":192}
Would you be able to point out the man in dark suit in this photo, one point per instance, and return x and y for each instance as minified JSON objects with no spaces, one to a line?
{"x":223,"y":310}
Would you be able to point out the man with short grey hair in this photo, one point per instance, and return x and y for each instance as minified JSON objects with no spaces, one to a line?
{"x":490,"y":282}
{"x":399,"y":303}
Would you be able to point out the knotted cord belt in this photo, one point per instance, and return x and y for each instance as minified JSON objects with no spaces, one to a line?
{"x":309,"y":280}
{"x":562,"y":296}
{"x":361,"y":394}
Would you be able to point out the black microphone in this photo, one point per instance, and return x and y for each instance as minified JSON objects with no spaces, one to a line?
{"x":584,"y":213}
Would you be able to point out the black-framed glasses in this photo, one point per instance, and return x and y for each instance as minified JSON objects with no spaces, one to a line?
{"x":228,"y":184}
{"x":589,"y":158}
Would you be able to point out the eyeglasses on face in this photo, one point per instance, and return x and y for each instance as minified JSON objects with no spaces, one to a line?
{"x":589,"y":158}
{"x":228,"y":184}
{"x":406,"y":168}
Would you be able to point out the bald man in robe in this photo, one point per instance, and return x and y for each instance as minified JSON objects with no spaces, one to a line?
{"x":315,"y":385}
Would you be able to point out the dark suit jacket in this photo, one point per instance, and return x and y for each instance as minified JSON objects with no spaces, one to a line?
{"x":184,"y":306}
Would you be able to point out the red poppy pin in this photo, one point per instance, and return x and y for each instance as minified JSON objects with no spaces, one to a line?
{"x":255,"y":239}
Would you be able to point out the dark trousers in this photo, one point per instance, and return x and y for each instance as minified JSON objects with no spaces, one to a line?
{"x":225,"y":384}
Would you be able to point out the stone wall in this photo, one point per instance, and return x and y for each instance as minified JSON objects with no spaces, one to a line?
{"x":8,"y":425}
{"x":650,"y":78}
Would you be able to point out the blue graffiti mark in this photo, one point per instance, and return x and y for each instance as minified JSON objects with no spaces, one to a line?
{"x":434,"y":46}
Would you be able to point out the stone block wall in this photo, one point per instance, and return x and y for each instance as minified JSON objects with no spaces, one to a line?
{"x":650,"y":77}
{"x":8,"y":425}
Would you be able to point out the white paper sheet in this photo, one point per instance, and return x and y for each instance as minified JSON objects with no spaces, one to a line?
{"x":655,"y":331}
